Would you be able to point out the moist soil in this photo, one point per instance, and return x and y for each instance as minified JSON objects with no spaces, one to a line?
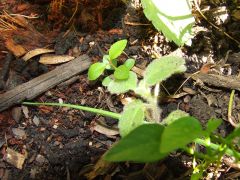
{"x":64,"y":143}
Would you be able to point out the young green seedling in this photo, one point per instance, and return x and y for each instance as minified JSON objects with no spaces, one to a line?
{"x":122,"y":79}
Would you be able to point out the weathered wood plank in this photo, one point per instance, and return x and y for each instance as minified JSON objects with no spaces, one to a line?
{"x":40,"y":84}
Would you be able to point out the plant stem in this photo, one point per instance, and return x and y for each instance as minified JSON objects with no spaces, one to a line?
{"x":228,"y":151}
{"x":84,"y":108}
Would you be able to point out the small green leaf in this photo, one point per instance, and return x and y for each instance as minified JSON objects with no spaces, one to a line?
{"x":117,"y":48}
{"x":122,"y":86}
{"x":132,"y":117}
{"x":96,"y":70}
{"x":175,"y":115}
{"x":121,"y":73}
{"x":179,"y":133}
{"x":212,"y":125}
{"x":161,"y":69}
{"x":106,"y":81}
{"x":106,"y":60}
{"x":233,"y":134}
{"x":129,"y":63}
{"x":141,"y":145}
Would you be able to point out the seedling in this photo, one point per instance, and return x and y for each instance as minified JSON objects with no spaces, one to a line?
{"x":122,"y":79}
{"x":146,"y":137}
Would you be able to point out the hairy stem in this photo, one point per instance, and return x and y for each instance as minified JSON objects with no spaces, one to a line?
{"x":84,"y":108}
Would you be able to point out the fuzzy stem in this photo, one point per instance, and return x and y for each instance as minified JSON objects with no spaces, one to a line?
{"x":84,"y":108}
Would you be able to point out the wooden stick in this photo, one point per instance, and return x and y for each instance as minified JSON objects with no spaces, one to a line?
{"x":39,"y":85}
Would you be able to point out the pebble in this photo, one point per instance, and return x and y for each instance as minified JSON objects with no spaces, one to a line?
{"x":36,"y":120}
{"x":19,"y":133}
{"x":17,"y":114}
{"x":41,"y":159}
{"x":25,"y":111}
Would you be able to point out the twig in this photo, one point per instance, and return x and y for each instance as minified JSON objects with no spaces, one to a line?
{"x":230,"y":107}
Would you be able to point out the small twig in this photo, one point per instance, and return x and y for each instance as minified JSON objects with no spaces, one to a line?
{"x":25,"y":16}
{"x":100,"y":49}
{"x":230,"y":107}
{"x":135,"y":23}
{"x":185,"y":81}
{"x":74,"y":13}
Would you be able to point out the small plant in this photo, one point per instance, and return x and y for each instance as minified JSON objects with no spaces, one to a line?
{"x":122,"y":79}
{"x":145,"y":136}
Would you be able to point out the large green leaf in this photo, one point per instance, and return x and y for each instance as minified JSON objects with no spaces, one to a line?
{"x":122,"y":86}
{"x":96,"y":70}
{"x":161,"y":69}
{"x":117,"y":48}
{"x":140,"y":145}
{"x":179,"y":133}
{"x":132,"y":117}
{"x":172,"y":17}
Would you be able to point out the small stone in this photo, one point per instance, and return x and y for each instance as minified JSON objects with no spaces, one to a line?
{"x":17,"y":114}
{"x":36,"y":120}
{"x":55,"y":126}
{"x":56,"y":143}
{"x":25,"y":111}
{"x":19,"y":133}
{"x":41,"y":159}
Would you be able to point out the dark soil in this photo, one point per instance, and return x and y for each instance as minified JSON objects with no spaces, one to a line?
{"x":62,"y":143}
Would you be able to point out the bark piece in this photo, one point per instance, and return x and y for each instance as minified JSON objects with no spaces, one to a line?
{"x":36,"y":86}
{"x":229,"y":82}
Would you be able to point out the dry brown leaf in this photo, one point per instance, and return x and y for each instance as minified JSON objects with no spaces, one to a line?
{"x":55,"y":59}
{"x":36,"y":52}
{"x":14,"y":158}
{"x":16,"y":49}
{"x":104,"y":129}
{"x":177,"y":96}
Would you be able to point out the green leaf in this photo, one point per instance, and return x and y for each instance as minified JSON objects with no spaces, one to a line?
{"x":106,"y":60}
{"x":232,"y":135}
{"x":179,"y":133}
{"x":132,"y":117}
{"x":212,"y":125}
{"x":141,"y":145}
{"x":106,"y":81}
{"x":96,"y":70}
{"x":122,"y":86}
{"x":161,"y":69}
{"x":121,"y":73}
{"x":173,"y":116}
{"x":117,"y":48}
{"x":175,"y":23}
{"x":129,"y":63}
